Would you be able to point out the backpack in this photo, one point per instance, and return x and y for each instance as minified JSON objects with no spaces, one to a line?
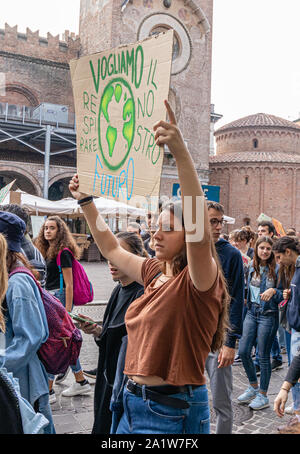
{"x":63,"y":345}
{"x":83,"y":292}
{"x":293,"y":310}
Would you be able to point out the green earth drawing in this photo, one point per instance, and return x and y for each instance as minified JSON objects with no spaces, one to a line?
{"x":116,"y":123}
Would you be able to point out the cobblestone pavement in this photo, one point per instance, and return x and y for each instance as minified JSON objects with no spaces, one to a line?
{"x":75,"y":415}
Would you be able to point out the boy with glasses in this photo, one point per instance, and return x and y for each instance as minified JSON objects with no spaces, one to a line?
{"x":218,"y":365}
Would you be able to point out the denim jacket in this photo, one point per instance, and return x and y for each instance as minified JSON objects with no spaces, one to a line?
{"x":26,"y":331}
{"x":270,"y":306}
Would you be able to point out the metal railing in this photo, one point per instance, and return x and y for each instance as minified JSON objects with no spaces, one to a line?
{"x":34,"y":115}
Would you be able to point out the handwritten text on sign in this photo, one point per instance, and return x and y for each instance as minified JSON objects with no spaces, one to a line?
{"x":119,"y":97}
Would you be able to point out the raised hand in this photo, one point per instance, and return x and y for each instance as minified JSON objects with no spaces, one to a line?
{"x":73,"y":187}
{"x":168,"y":133}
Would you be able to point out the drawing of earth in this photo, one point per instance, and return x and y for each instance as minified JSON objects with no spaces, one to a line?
{"x":116,"y":123}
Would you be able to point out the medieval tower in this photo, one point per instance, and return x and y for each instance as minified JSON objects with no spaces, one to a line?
{"x":106,"y":24}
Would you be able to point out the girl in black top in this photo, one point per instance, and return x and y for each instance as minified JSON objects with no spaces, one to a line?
{"x":109,"y":337}
{"x":54,"y":237}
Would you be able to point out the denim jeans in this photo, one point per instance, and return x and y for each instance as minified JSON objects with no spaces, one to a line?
{"x":263,"y":328}
{"x":144,"y":416}
{"x":275,"y":352}
{"x":295,"y":349}
{"x":77,"y":368}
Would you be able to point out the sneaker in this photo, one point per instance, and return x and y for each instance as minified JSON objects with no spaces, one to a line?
{"x":77,"y":389}
{"x":237,"y":359}
{"x":292,"y":427}
{"x":61,"y":377}
{"x":90,"y":373}
{"x":52,"y":397}
{"x":276,"y":364}
{"x":259,"y":402}
{"x":290,"y":410}
{"x":257,"y":370}
{"x":248,"y":395}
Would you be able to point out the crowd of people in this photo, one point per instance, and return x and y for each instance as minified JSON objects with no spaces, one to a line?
{"x":184,"y":306}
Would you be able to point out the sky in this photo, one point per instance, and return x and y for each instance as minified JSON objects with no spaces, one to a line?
{"x":255,"y":65}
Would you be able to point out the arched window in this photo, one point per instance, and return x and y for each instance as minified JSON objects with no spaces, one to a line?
{"x":246,"y":180}
{"x":255,"y":143}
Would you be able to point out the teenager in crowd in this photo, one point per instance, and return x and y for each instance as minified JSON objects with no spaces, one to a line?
{"x":109,"y":337}
{"x":54,"y":237}
{"x":180,"y":317}
{"x":32,"y":254}
{"x":287,"y":249}
{"x":261,"y":322}
{"x":26,"y":323}
{"x":219,"y":364}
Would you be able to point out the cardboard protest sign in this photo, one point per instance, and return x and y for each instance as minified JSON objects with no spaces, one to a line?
{"x":278,"y":227}
{"x":4,"y":191}
{"x":119,"y":96}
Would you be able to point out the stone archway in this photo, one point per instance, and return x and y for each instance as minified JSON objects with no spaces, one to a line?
{"x":26,"y":92}
{"x":24,"y":180}
{"x":58,"y":186}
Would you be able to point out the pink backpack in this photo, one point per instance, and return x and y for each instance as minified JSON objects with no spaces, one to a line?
{"x":83,"y":292}
{"x":62,"y":348}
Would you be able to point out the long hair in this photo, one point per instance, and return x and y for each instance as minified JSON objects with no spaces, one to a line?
{"x":63,"y":240}
{"x":12,"y":260}
{"x":286,"y":272}
{"x":134,"y":242}
{"x":3,"y":278}
{"x":180,"y":262}
{"x":271,"y":263}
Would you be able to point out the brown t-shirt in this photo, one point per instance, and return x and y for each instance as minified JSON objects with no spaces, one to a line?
{"x":170,"y":328}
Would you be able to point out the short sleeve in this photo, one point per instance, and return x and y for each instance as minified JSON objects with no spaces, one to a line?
{"x":150,"y":269}
{"x":66,"y":259}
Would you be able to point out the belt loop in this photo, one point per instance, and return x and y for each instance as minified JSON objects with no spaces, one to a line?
{"x":144,"y":392}
{"x":190,"y":391}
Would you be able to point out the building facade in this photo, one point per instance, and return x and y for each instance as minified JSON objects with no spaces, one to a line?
{"x":257,"y":165}
{"x":37,"y":72}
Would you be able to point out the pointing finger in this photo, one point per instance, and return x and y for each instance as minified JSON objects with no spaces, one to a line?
{"x":171,"y":114}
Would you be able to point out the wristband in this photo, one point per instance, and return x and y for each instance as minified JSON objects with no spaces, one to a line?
{"x":85,"y":201}
{"x":284,"y":389}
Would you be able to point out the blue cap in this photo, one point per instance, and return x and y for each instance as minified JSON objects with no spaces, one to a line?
{"x":13,"y":228}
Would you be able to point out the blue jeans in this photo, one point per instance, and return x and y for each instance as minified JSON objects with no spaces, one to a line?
{"x":275,"y":352}
{"x":263,"y":328}
{"x":295,"y":348}
{"x":77,"y":368}
{"x":144,"y":416}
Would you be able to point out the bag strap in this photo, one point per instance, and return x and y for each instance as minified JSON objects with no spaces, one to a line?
{"x":58,"y":262}
{"x":58,"y":258}
{"x":24,"y":270}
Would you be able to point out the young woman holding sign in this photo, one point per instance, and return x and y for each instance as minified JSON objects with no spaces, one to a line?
{"x":182,"y":315}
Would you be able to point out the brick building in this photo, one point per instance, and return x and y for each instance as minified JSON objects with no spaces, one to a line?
{"x":257,"y":166}
{"x":36,"y":71}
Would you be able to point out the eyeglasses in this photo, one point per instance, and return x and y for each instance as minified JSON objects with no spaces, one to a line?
{"x":214,"y":222}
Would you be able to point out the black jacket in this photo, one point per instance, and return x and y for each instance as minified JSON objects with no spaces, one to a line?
{"x":109,"y":344}
{"x":232,"y":264}
{"x":10,"y":416}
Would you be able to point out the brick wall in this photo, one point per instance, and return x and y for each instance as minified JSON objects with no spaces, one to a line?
{"x":272,"y":189}
{"x":282,"y":140}
{"x":46,"y":48}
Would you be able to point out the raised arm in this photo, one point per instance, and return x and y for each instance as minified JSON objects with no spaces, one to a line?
{"x":106,"y":241}
{"x":202,"y":266}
